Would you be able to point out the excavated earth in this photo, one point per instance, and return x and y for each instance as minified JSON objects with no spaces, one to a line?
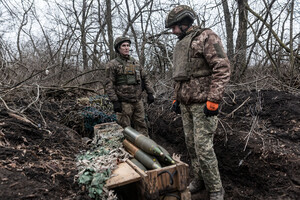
{"x":257,"y":144}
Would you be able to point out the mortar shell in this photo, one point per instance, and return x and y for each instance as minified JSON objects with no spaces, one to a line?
{"x":148,"y":161}
{"x":138,"y":164}
{"x":144,"y":143}
{"x":166,"y":158}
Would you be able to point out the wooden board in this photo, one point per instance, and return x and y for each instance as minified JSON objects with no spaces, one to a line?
{"x":136,"y":168}
{"x":173,"y":178}
{"x":122,"y":175}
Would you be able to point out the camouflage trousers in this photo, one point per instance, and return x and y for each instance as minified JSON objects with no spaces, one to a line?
{"x":133,"y":114}
{"x":199,"y":132}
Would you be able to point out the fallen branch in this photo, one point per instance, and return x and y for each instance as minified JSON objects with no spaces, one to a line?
{"x":6,"y":106}
{"x":22,"y":118}
{"x":253,"y":125}
{"x":36,"y":99}
{"x":231,"y":114}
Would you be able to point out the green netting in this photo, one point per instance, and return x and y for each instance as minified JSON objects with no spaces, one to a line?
{"x":95,"y":165}
{"x":88,"y":112}
{"x":93,"y":116}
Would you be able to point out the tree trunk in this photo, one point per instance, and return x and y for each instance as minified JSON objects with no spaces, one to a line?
{"x":83,"y":35}
{"x":292,"y":58}
{"x":229,"y":31}
{"x":240,"y":63}
{"x":109,"y":29}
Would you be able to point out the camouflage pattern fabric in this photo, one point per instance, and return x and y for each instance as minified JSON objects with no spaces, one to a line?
{"x":199,"y":132}
{"x":206,"y":45}
{"x":193,"y":93}
{"x":128,"y":93}
{"x":133,"y":115}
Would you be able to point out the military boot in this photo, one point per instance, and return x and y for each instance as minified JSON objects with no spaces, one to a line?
{"x":196,"y":185}
{"x":217,"y":195}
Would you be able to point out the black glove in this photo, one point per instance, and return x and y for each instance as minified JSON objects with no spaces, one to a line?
{"x":117,"y":106}
{"x":211,"y":109}
{"x":150,"y":98}
{"x":176,"y":107}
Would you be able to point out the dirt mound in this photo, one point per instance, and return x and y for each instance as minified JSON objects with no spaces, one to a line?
{"x":259,"y":151}
{"x":257,"y":145}
{"x":36,"y":162}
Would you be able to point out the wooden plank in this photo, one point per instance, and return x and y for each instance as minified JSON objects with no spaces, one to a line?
{"x":164,"y":179}
{"x":182,"y":176}
{"x":157,"y":182}
{"x":136,"y":168}
{"x":122,"y":175}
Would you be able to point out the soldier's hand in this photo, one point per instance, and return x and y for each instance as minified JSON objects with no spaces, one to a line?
{"x":211,"y":109}
{"x":150,"y":98}
{"x":117,"y":106}
{"x":176,"y":107}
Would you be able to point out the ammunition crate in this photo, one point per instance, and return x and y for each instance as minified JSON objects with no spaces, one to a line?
{"x":168,"y":182}
{"x":130,"y":182}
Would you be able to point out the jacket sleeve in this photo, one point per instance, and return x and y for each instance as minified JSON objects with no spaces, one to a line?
{"x":217,"y":59}
{"x":110,"y":82}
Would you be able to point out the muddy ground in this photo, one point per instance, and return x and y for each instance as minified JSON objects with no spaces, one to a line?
{"x":257,"y":145}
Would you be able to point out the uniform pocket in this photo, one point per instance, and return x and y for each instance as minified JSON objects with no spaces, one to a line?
{"x":129,"y":69}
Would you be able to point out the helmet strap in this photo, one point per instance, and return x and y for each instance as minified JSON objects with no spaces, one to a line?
{"x":183,"y":31}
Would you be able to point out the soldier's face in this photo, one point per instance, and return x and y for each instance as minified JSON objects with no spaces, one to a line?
{"x":124,"y":48}
{"x":176,"y":29}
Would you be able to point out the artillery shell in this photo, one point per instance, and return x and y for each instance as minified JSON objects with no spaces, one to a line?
{"x":148,"y":161}
{"x":166,"y":158}
{"x":143,"y":142}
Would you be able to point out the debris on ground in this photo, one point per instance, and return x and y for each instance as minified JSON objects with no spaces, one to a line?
{"x":257,"y":145}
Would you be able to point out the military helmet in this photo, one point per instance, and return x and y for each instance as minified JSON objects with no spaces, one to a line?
{"x":179,"y":13}
{"x":119,"y":41}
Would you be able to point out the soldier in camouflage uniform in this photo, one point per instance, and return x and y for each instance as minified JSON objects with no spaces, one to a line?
{"x":201,"y":71}
{"x":125,"y":82}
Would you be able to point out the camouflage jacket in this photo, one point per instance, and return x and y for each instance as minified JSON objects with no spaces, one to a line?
{"x":205,"y":45}
{"x":132,"y":92}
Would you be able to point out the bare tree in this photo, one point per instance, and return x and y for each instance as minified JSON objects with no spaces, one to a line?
{"x":291,"y":43}
{"x":241,"y":41}
{"x":77,"y":39}
{"x":109,"y":28}
{"x":229,"y":31}
{"x":83,"y":26}
{"x":24,"y":22}
{"x":274,"y":43}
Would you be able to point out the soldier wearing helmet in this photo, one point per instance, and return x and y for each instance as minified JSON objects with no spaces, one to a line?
{"x":119,"y":40}
{"x":201,"y":72}
{"x":182,"y":16}
{"x":125,"y":83}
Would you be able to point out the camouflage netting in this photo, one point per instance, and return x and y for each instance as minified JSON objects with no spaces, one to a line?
{"x":95,"y":165}
{"x":93,"y":116}
{"x":88,"y":112}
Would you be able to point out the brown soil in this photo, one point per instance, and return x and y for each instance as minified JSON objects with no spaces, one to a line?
{"x":257,"y":145}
